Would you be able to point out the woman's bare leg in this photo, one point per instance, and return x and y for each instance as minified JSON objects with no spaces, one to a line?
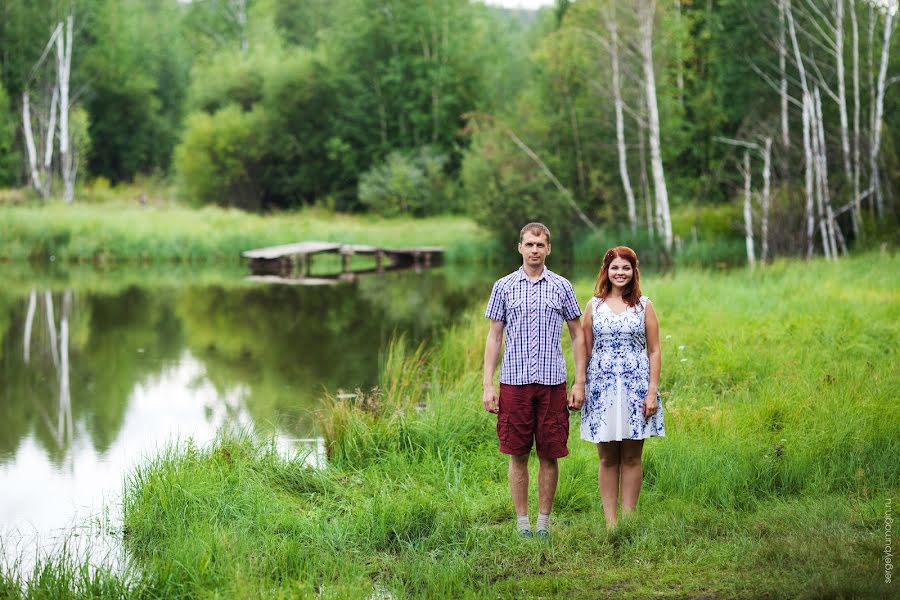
{"x":631,"y":473}
{"x":608,"y":476}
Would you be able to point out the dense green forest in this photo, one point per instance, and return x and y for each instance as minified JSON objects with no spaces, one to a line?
{"x":764,"y":119}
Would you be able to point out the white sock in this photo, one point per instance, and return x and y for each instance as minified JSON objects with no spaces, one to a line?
{"x":522,"y":522}
{"x":543,"y":522}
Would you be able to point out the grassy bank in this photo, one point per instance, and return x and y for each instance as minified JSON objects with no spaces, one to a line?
{"x":118,"y":231}
{"x":779,"y":387}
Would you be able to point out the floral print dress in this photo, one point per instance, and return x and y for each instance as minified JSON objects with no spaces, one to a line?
{"x":618,"y":377}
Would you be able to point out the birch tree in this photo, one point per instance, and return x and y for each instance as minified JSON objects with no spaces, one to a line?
{"x":646,"y":13}
{"x":783,"y":82}
{"x":40,"y":171}
{"x":60,"y":104}
{"x":748,"y":214}
{"x":889,"y":7}
{"x":842,"y":91}
{"x":807,"y":134}
{"x":764,"y":199}
{"x":63,"y":69}
{"x":612,"y":26}
{"x":36,"y":179}
{"x":854,"y":29}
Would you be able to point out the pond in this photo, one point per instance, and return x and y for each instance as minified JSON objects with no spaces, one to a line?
{"x":101,"y":369}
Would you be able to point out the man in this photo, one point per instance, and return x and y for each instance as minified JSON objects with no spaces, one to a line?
{"x":531,"y":305}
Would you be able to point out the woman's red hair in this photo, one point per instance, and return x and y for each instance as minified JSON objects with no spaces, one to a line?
{"x":632,"y":292}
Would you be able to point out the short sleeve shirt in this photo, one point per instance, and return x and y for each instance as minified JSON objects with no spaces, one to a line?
{"x":533,"y":312}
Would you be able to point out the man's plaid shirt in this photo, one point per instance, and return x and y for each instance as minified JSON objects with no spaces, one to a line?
{"x":533,"y":313}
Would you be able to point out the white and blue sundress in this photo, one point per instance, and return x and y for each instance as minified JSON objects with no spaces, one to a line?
{"x":618,"y":377}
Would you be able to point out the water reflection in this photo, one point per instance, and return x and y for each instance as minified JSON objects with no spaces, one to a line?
{"x":95,"y":380}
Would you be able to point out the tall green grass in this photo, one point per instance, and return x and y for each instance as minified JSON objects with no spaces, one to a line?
{"x":779,"y":390}
{"x":123,"y":232}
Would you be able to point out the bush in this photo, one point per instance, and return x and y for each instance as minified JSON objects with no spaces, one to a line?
{"x":408,"y":185}
{"x":260,"y":136}
{"x":218,"y":159}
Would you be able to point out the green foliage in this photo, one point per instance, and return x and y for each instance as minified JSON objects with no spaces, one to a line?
{"x":299,"y":21}
{"x":218,"y":161}
{"x":300,"y":165}
{"x":80,"y":137}
{"x":228,"y":77}
{"x":404,"y":74}
{"x":414,"y":185}
{"x":261,"y":137}
{"x":505,"y":190}
{"x":136,"y":88}
{"x":9,"y":157}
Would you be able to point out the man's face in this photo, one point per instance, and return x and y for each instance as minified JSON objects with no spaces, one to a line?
{"x":534,"y":249}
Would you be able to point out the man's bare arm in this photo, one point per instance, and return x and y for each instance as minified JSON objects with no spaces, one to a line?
{"x":576,"y":400}
{"x":490,"y":397}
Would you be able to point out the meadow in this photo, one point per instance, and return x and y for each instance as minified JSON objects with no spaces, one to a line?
{"x":774,"y":479}
{"x":166,"y":232}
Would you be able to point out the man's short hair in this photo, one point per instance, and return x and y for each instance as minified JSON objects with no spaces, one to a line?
{"x":534,"y":229}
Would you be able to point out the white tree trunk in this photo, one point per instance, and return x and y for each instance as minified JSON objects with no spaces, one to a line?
{"x":842,"y":91}
{"x":64,"y":68}
{"x":29,"y":145}
{"x":29,"y":322}
{"x":764,"y":200}
{"x":854,"y":29}
{"x":647,"y":12}
{"x":879,"y":112}
{"x":873,"y":175}
{"x":824,"y":194}
{"x":809,"y":174}
{"x":748,"y":214}
{"x":808,"y":114}
{"x":783,"y":84}
{"x":817,"y":182}
{"x":620,"y":119}
{"x":51,"y":130}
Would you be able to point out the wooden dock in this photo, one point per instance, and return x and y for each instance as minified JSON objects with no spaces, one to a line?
{"x":292,"y":263}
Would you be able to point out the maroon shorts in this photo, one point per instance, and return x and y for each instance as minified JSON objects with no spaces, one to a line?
{"x":533,"y":412}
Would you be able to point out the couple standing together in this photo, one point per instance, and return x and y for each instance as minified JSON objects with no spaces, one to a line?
{"x":617,"y":363}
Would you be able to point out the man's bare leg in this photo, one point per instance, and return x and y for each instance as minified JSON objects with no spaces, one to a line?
{"x":518,"y":484}
{"x":548,"y":477}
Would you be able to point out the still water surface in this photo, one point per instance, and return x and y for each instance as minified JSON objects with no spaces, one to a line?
{"x":101,"y":371}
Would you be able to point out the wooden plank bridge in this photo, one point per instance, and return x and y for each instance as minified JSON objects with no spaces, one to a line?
{"x":292,"y":263}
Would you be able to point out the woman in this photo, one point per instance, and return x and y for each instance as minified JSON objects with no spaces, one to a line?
{"x":622,"y":406}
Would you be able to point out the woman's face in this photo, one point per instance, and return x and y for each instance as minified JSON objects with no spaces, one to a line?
{"x":620,"y":273}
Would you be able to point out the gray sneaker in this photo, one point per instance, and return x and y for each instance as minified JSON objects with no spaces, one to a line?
{"x":526,"y":533}
{"x":543,"y":535}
